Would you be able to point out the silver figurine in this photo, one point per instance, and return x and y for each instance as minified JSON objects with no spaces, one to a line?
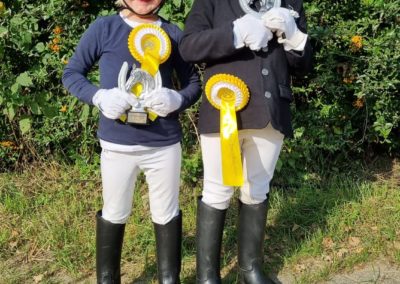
{"x":138,"y":113}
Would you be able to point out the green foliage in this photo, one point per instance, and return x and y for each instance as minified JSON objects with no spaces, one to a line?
{"x":350,"y":105}
{"x":47,"y":218}
{"x":38,"y":116}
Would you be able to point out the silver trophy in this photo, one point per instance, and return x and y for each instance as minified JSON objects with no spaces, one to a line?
{"x":265,"y":5}
{"x":138,"y":114}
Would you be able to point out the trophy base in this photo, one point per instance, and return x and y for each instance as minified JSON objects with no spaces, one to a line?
{"x":138,"y":118}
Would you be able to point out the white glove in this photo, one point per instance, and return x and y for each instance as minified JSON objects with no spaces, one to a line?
{"x":113,"y":102}
{"x":251,"y":32}
{"x":282,"y":21}
{"x":162,"y":101}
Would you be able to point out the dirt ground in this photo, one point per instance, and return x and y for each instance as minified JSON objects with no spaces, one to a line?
{"x":380,"y":271}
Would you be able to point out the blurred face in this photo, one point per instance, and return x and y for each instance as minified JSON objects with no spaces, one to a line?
{"x":143,"y":7}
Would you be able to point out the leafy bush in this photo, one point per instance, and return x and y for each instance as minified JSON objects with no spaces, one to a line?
{"x":350,"y":105}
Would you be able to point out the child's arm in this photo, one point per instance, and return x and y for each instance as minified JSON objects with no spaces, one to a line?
{"x":201,"y":41}
{"x":85,"y":56}
{"x":189,"y":81}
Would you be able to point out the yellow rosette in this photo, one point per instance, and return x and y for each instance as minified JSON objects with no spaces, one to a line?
{"x":151,"y":46}
{"x":229,"y":94}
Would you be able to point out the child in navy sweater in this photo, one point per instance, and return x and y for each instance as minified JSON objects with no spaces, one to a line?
{"x":127,"y":149}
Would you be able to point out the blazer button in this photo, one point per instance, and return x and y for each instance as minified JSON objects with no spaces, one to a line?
{"x":267,"y":94}
{"x":265,"y":71}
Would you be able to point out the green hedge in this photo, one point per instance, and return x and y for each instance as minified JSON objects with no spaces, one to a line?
{"x":348,"y":106}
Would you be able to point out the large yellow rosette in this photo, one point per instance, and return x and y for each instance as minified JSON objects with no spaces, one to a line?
{"x":229,"y":94}
{"x":151,"y":46}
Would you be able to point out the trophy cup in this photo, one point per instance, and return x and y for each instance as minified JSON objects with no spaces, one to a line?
{"x":150,"y":46}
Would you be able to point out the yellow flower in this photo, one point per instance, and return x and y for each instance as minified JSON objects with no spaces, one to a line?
{"x":65,"y":61}
{"x":2,"y":7}
{"x":56,"y":40}
{"x":356,"y":42}
{"x":359,"y":103}
{"x":57,"y":30}
{"x":7,"y":144}
{"x":63,"y":108}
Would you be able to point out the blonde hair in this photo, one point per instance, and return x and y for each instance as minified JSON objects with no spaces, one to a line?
{"x":119,"y":3}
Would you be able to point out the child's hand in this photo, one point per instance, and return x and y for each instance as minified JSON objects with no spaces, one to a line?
{"x":282,"y":21}
{"x":113,"y":102}
{"x":251,"y":32}
{"x":162,"y":101}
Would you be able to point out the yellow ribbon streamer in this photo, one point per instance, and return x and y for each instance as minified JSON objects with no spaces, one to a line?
{"x":232,"y":172}
{"x":228,"y":102}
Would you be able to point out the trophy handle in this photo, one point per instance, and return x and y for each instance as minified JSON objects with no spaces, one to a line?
{"x":122,"y":76}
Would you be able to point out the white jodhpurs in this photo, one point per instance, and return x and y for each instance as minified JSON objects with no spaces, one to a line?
{"x":119,"y":171}
{"x":260,"y":150}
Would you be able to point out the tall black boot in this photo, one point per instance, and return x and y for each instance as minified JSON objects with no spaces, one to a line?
{"x":210,"y":226}
{"x":252,"y":219}
{"x":109,"y":239}
{"x":168,"y":242}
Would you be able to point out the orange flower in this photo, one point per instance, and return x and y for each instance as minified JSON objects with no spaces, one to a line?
{"x":356,"y":42}
{"x":359,"y":103}
{"x":63,"y":108}
{"x":349,"y":79}
{"x":55,"y":48}
{"x":56,"y":40}
{"x":57,"y":30}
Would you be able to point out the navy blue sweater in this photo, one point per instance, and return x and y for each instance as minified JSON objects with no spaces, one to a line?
{"x":106,"y":42}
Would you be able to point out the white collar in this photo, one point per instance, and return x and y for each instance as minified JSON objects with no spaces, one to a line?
{"x":134,"y":24}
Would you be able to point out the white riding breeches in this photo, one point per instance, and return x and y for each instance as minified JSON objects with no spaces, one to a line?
{"x":119,"y":171}
{"x":260,"y":150}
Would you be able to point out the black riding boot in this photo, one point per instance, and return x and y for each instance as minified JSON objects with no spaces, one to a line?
{"x":109,"y":239}
{"x":210,"y":226}
{"x":252,"y":219}
{"x":168,"y":241}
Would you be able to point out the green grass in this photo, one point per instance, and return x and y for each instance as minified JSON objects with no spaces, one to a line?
{"x":315,"y":230}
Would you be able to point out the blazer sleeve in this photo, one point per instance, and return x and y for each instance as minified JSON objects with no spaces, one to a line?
{"x":300,"y":63}
{"x":202,"y":42}
{"x":188,"y":78}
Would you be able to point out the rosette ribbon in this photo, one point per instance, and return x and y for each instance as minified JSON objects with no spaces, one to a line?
{"x":229,"y":94}
{"x":150,"y":46}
